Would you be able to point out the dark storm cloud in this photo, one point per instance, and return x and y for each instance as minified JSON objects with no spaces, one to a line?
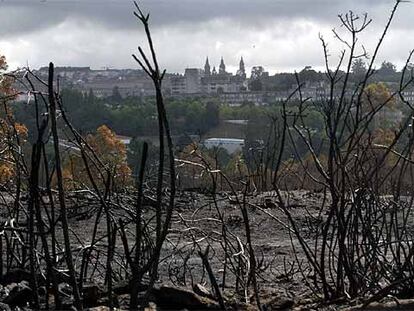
{"x":279,"y":34}
{"x":22,"y":16}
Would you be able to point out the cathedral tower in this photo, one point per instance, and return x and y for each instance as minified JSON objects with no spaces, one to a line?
{"x":242,"y":71}
{"x":207,"y":68}
{"x":222,"y":68}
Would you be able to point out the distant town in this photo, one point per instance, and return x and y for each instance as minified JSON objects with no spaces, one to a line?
{"x":233,"y":89}
{"x":210,"y":81}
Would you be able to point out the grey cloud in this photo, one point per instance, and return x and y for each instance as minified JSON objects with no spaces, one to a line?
{"x":22,"y":16}
{"x":91,"y":32}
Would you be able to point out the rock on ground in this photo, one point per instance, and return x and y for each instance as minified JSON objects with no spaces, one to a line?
{"x":174,"y":298}
{"x":20,"y":294}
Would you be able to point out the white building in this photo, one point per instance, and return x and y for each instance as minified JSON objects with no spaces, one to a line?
{"x":125,"y":139}
{"x":231,"y":145}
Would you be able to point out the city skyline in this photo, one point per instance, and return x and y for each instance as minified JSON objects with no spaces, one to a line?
{"x":279,"y":35}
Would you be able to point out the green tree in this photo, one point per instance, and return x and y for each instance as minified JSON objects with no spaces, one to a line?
{"x":212,"y":114}
{"x":387,"y":68}
{"x":309,"y":74}
{"x":255,"y":83}
{"x":359,"y":68}
{"x":116,"y":95}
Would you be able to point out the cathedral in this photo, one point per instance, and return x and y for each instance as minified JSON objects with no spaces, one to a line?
{"x":241,"y":72}
{"x":209,"y":81}
{"x":223,"y":81}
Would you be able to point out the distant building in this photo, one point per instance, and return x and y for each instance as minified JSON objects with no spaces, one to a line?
{"x":178,"y":84}
{"x":238,"y":98}
{"x":207,"y":81}
{"x":242,"y":71}
{"x":193,"y":80}
{"x":316,"y":90}
{"x":222,"y":67}
{"x":237,"y":122}
{"x":408,"y":94}
{"x":228,"y":88}
{"x":125,"y":139}
{"x":129,"y":82}
{"x":231,"y":145}
{"x":223,"y":82}
{"x":207,"y":68}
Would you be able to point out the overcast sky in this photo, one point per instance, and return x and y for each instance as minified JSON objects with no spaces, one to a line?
{"x":281,"y":35}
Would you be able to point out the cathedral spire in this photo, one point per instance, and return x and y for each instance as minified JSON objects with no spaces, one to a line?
{"x":241,"y":65}
{"x":222,"y":68}
{"x":207,"y":67}
{"x":242,"y":71}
